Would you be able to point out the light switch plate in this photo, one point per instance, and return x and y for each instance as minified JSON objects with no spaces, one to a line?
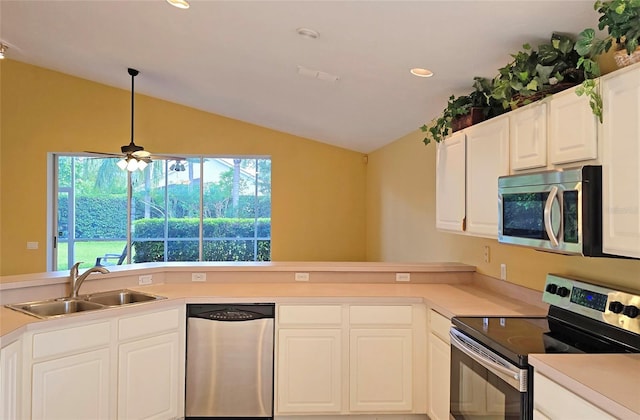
{"x":199,"y":277}
{"x":302,"y":277}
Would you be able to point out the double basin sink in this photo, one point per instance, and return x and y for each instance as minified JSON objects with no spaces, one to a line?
{"x":95,"y":301}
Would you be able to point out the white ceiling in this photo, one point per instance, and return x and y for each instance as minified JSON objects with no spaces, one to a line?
{"x":240,"y":58}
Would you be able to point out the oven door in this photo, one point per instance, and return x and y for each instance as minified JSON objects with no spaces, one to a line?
{"x":484,"y":385}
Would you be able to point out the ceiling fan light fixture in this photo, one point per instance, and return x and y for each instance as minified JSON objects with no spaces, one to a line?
{"x":141,"y":165}
{"x":122,"y":164}
{"x":180,"y":4}
{"x":132,"y":165}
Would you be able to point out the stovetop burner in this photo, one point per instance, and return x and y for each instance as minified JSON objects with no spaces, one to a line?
{"x":574,"y":324}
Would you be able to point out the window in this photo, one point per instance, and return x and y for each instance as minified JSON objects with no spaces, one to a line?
{"x":198,"y":209}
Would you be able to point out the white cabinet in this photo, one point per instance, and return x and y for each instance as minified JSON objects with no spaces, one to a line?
{"x":380,"y":363}
{"x":127,"y":367}
{"x":450,"y":183}
{"x":620,"y":163}
{"x":468,"y":165}
{"x":70,"y":371}
{"x":572,"y":128}
{"x":487,"y":159}
{"x":309,"y":359}
{"x":151,"y":365}
{"x":148,"y":379}
{"x":10,"y":380}
{"x":438,"y":369}
{"x":553,"y":401}
{"x":72,"y":387}
{"x":528,"y":137}
{"x":350,"y":359}
{"x":306,"y":386}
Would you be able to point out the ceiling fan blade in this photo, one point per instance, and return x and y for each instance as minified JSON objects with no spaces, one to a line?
{"x":166,"y":157}
{"x":105,"y":154}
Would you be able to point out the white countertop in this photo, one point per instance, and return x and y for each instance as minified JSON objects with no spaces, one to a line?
{"x":609,"y":381}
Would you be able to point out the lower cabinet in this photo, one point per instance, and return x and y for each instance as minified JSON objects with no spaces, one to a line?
{"x":296,"y":392}
{"x":351,"y":359}
{"x":380,"y":365}
{"x":10,"y":380}
{"x":553,"y":401}
{"x":127,"y":367}
{"x":72,"y":387}
{"x":438,"y":370}
{"x":148,"y":379}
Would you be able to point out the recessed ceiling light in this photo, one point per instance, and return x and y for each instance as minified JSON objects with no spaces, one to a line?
{"x":180,"y":4}
{"x":308,"y":33}
{"x":421,"y":72}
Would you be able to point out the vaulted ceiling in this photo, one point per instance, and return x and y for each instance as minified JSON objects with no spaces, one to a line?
{"x":244,"y":59}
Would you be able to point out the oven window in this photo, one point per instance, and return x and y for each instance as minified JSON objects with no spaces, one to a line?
{"x":476,"y":393}
{"x":570,"y":215}
{"x":523,"y":215}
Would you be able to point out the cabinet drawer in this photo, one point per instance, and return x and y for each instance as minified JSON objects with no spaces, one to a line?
{"x":71,"y":340}
{"x":439,"y":325}
{"x":310,"y":314}
{"x":147,"y":324}
{"x":385,"y":315}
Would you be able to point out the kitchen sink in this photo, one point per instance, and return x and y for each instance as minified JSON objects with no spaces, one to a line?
{"x":95,"y":301}
{"x":120,"y":297}
{"x":56,"y":307}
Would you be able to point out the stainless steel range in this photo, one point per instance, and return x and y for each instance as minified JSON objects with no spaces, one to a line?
{"x":490,"y":375}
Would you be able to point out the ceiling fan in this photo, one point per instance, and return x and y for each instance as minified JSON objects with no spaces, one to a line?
{"x":134,"y":157}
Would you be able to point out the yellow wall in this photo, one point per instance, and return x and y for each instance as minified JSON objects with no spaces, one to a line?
{"x":318,"y":191}
{"x":401,"y":226}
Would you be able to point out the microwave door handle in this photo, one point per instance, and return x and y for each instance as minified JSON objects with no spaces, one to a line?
{"x":548,"y":227}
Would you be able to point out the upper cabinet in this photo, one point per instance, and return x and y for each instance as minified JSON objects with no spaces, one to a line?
{"x":572,"y":129}
{"x":528,"y":137}
{"x":620,"y":132}
{"x":450,"y":183}
{"x":487,"y":159}
{"x":468,"y":166}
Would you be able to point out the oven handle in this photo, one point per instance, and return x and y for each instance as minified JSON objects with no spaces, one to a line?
{"x":515,"y":377}
{"x":547,"y":217}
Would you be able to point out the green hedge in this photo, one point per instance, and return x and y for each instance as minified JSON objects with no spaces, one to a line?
{"x":228,"y":244}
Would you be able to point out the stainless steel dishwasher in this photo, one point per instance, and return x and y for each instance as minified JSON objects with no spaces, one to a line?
{"x":229,"y":361}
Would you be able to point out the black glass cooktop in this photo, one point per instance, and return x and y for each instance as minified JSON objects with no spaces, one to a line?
{"x":516,"y":337}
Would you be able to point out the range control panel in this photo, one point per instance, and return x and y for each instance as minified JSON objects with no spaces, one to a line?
{"x":615,"y":307}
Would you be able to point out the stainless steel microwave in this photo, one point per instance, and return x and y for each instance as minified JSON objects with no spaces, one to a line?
{"x":556,"y":211}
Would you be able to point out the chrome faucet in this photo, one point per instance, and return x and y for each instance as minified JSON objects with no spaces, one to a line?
{"x":77,"y":280}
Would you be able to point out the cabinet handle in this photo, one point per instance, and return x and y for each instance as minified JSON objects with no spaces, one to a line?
{"x":464,"y":224}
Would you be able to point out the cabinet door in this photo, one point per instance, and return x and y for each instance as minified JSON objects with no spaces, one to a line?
{"x":380,"y":370}
{"x":487,"y":159}
{"x":309,"y":371}
{"x":10,"y":364}
{"x":450,"y":183}
{"x":439,"y":354}
{"x":73,"y":387}
{"x":528,"y":137}
{"x":550,"y":400}
{"x":572,"y":128}
{"x":148,"y":380}
{"x":620,"y":168}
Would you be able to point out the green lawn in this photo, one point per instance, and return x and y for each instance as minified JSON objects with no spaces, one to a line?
{"x":88,"y":252}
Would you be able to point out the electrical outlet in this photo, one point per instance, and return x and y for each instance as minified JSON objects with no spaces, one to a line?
{"x":144,"y":280}
{"x":302,"y":277}
{"x":503,"y":271}
{"x":403,"y":276}
{"x":486,"y":254}
{"x":199,"y":277}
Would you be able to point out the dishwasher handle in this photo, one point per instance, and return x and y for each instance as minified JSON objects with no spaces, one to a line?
{"x":231,"y":313}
